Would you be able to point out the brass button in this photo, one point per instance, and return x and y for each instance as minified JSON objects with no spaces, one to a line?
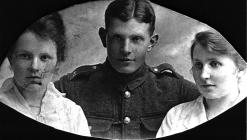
{"x":126,"y":120}
{"x":127,"y":94}
{"x":94,"y":67}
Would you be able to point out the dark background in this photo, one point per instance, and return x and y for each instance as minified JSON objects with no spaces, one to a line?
{"x":227,"y":17}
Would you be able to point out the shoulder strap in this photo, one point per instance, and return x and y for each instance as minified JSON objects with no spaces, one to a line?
{"x":83,"y":71}
{"x":163,"y":69}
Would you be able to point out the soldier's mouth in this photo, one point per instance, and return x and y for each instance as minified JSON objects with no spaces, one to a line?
{"x":207,"y":85}
{"x":125,"y":59}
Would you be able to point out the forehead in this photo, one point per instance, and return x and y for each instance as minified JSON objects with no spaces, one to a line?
{"x":129,"y":27}
{"x":202,"y":53}
{"x":30,"y":42}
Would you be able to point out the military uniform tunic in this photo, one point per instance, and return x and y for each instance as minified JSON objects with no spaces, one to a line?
{"x":126,"y":105}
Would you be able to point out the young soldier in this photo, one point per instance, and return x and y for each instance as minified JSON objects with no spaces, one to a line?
{"x":123,"y":97}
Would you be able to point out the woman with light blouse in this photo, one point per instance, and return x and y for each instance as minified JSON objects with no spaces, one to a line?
{"x":219,"y":73}
{"x":34,"y":59}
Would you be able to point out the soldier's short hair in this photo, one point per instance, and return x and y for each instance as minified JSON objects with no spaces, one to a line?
{"x":141,"y":10}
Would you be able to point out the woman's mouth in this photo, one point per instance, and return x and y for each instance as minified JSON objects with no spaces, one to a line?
{"x":34,"y":79}
{"x":207,"y":85}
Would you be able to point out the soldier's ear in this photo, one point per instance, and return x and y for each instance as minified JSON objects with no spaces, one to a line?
{"x":153,"y":41}
{"x":102,"y":35}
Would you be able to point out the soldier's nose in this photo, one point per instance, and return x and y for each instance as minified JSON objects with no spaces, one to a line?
{"x":126,"y":49}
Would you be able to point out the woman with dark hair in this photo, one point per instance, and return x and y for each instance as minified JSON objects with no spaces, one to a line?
{"x":34,"y":59}
{"x":218,"y":71}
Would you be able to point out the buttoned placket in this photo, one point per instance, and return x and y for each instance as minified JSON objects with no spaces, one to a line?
{"x":126,"y":116}
{"x":126,"y":97}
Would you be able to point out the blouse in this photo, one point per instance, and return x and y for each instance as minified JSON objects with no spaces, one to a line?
{"x":189,"y":115}
{"x":56,"y":110}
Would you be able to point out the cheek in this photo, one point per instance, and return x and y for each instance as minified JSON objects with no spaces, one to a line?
{"x":224,"y":77}
{"x":113,"y":50}
{"x":196,"y":76}
{"x":18,"y":67}
{"x":140,"y":51}
{"x":140,"y":56}
{"x":49,"y":68}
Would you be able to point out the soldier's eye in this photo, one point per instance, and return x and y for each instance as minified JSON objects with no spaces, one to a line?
{"x":137,"y":39}
{"x":116,"y":37}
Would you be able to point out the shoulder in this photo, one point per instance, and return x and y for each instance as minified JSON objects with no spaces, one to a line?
{"x":5,"y":90}
{"x":59,"y":96}
{"x":165,"y":69}
{"x":68,"y":105}
{"x":83,"y":71}
{"x":8,"y":95}
{"x":184,"y":110}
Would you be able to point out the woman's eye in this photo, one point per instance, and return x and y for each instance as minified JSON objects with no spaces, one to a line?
{"x":198,"y":65}
{"x":24,"y":56}
{"x":215,"y":64}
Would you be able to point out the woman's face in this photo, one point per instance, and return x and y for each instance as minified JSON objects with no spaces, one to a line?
{"x":33,"y":62}
{"x":215,"y":75}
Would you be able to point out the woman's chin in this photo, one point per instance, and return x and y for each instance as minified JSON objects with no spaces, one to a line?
{"x":34,"y":87}
{"x":211,"y":95}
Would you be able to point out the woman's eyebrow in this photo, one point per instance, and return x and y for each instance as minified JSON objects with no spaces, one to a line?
{"x":212,"y":59}
{"x":47,"y":54}
{"x":195,"y":59}
{"x":21,"y":51}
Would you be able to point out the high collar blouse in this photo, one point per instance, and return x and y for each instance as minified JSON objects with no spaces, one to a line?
{"x":56,"y":110}
{"x":188,"y":115}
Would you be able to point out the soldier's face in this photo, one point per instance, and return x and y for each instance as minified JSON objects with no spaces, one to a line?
{"x":127,"y":44}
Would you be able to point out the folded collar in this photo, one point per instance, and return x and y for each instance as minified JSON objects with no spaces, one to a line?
{"x":122,"y":80}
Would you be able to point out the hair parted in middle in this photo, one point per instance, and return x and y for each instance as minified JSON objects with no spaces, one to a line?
{"x":141,"y":10}
{"x":215,"y":42}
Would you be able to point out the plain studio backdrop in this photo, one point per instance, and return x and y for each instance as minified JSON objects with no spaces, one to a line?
{"x":228,"y":17}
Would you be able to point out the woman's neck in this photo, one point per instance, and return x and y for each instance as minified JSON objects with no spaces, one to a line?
{"x":32,"y":97}
{"x":214,"y":107}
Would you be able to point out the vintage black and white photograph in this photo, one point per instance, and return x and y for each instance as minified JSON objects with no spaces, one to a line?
{"x":123,"y":69}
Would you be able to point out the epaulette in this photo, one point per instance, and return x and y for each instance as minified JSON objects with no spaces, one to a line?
{"x":165,"y":68}
{"x":82,"y":71}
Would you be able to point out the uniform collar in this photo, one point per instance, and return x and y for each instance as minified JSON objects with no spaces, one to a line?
{"x":132,"y":80}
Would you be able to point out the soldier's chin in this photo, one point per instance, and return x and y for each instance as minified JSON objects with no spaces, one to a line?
{"x":126,"y":70}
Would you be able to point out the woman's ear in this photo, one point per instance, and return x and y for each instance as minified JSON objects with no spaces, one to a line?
{"x":242,"y":74}
{"x":153,"y":41}
{"x":56,"y":69}
{"x":102,"y":35}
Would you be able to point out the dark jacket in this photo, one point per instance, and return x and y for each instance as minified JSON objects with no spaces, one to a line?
{"x":126,"y":106}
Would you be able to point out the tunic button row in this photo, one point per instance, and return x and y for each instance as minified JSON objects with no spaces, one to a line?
{"x":126,"y":120}
{"x":127,"y":94}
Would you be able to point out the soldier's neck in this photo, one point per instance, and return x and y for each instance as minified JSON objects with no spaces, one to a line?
{"x":140,"y":72}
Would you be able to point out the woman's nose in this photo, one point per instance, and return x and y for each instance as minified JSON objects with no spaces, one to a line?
{"x":35,"y":64}
{"x":205,"y":74}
